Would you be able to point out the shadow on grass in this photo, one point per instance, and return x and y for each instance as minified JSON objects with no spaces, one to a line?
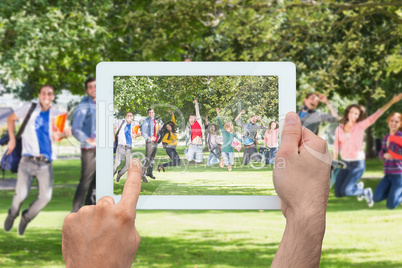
{"x":330,"y":258}
{"x":210,"y":251}
{"x":37,"y":248}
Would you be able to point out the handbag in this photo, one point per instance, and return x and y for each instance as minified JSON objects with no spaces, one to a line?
{"x":236,"y":144}
{"x":116,"y":138}
{"x":11,"y":161}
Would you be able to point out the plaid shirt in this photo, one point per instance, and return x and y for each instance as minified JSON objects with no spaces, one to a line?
{"x":393,"y":166}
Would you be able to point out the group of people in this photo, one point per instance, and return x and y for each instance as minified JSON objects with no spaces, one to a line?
{"x":38,"y":152}
{"x":221,"y":152}
{"x":349,"y":138}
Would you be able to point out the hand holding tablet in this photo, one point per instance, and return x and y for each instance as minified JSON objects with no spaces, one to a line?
{"x":104,"y":235}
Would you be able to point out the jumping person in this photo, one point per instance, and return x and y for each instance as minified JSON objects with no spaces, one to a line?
{"x":169,"y":142}
{"x":250,"y":130}
{"x":150,"y":133}
{"x":84,"y":130}
{"x":37,"y":155}
{"x":310,"y":117}
{"x":125,"y":143}
{"x":228,"y":137}
{"x":349,"y":137}
{"x":390,"y":187}
{"x":271,"y":140}
{"x":212,"y":143}
{"x":194,"y":132}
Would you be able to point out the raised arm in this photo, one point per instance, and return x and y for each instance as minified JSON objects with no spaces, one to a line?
{"x":371,"y":119}
{"x":323,"y":98}
{"x":197,"y":113}
{"x":219,"y":120}
{"x":173,"y":118}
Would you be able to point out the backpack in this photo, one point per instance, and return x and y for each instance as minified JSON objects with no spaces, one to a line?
{"x":116,"y":138}
{"x":12,"y":161}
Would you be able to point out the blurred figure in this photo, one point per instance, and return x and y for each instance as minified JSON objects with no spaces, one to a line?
{"x":84,"y":130}
{"x":150,"y":133}
{"x":194,"y":132}
{"x":390,"y":187}
{"x":125,"y":135}
{"x":349,"y":138}
{"x":169,"y":142}
{"x":310,"y":117}
{"x":250,"y":130}
{"x":37,"y":155}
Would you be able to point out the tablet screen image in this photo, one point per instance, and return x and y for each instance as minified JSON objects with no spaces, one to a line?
{"x":171,"y":124}
{"x":165,"y":114}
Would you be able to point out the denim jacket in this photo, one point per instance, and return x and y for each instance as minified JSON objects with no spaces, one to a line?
{"x":84,"y":121}
{"x":147,"y":129}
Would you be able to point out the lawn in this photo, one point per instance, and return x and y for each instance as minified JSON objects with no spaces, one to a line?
{"x":356,"y":236}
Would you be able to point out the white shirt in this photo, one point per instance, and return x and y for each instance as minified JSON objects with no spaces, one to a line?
{"x":30,"y":144}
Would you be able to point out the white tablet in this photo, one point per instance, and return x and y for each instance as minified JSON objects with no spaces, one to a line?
{"x":183,"y":171}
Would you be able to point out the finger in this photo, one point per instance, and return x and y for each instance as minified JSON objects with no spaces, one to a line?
{"x":315,"y":146}
{"x":291,"y":134}
{"x":132,"y":187}
{"x":105,"y":201}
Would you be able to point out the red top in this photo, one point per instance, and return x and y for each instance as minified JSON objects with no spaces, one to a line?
{"x":196,"y":131}
{"x":155,"y":133}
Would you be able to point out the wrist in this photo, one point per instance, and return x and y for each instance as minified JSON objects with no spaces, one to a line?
{"x":310,"y":223}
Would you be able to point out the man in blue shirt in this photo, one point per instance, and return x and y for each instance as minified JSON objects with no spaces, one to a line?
{"x":125,"y":143}
{"x":310,"y":117}
{"x":37,"y":156}
{"x":149,"y":131}
{"x":84,"y":130}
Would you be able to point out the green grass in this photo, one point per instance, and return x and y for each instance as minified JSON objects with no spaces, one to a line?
{"x":356,"y":236}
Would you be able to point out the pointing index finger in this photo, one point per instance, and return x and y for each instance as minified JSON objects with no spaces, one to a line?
{"x":132,"y":187}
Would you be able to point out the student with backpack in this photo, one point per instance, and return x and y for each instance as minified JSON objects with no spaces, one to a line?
{"x":125,"y":136}
{"x":250,"y":131}
{"x":37,"y":156}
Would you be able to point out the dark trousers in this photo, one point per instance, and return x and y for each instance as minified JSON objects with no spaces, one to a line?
{"x":171,"y":152}
{"x":251,"y":154}
{"x":87,"y":184}
{"x":150,"y":153}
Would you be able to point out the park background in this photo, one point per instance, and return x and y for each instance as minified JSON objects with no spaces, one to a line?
{"x":349,"y":50}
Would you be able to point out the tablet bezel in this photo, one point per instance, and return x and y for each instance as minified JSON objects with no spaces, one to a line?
{"x":105,"y":73}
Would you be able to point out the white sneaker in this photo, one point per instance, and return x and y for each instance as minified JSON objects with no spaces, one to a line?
{"x":368,"y":195}
{"x":360,"y":186}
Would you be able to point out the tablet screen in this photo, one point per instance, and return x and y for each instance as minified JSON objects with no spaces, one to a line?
{"x":171,"y":124}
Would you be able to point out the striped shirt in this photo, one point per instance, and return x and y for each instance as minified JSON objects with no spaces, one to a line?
{"x":393,"y":166}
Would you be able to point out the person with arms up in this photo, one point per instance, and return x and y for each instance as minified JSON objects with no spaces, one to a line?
{"x":212,"y":142}
{"x":250,"y":131}
{"x":84,"y":130}
{"x":125,"y":144}
{"x":349,"y":138}
{"x":228,"y":137}
{"x":310,"y":117}
{"x":94,"y":244}
{"x":149,"y":131}
{"x":194,"y":132}
{"x":37,"y":155}
{"x":271,"y":138}
{"x":390,"y":187}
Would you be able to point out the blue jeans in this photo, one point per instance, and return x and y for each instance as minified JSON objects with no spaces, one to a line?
{"x":194,"y":152}
{"x":212,"y":159}
{"x":228,"y":159}
{"x":345,"y":184}
{"x":270,"y":155}
{"x":390,"y":188}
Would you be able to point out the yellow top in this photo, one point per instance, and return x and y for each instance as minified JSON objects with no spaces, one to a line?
{"x":173,"y":136}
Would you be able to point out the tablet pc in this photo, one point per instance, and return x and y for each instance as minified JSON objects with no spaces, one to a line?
{"x":265,"y":91}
